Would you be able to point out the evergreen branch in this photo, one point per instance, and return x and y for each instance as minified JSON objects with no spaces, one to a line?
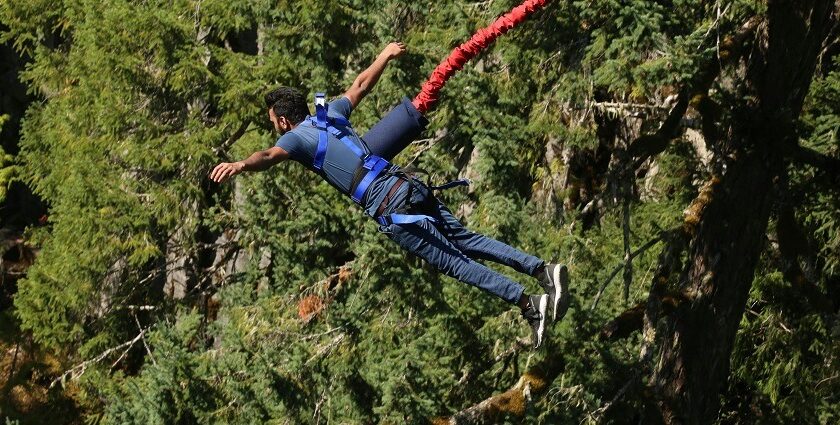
{"x":649,"y":145}
{"x":791,"y":245}
{"x":826,"y":164}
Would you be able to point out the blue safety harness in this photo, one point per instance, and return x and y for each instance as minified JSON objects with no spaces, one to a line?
{"x":372,"y":165}
{"x":342,"y":130}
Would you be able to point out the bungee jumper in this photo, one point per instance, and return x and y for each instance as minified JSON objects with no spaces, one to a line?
{"x":405,"y":207}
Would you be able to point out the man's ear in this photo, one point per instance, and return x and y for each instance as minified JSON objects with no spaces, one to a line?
{"x":285,"y":124}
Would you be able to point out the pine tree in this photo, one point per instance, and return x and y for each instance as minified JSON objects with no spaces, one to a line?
{"x":635,"y":141}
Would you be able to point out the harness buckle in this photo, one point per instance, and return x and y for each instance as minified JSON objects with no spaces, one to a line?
{"x":371,"y":162}
{"x":321,"y":111}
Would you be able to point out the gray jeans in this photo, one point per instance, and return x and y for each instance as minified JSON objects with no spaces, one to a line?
{"x":452,"y":249}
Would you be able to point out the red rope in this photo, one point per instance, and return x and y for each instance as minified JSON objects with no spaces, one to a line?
{"x":430,"y":91}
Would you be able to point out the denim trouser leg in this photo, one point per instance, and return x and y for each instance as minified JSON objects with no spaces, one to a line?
{"x":424,"y":240}
{"x":452,"y":249}
{"x":481,"y":247}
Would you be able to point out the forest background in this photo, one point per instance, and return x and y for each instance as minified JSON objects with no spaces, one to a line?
{"x":681,"y":156}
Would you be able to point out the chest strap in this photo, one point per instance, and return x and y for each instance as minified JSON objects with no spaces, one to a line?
{"x":342,"y":129}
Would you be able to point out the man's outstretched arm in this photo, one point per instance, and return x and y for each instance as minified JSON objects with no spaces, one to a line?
{"x":367,"y":79}
{"x":258,"y":161}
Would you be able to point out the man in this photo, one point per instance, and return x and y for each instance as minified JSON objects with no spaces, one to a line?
{"x":406,"y":209}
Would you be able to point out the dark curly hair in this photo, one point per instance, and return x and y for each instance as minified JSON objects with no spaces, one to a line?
{"x":287,"y":102}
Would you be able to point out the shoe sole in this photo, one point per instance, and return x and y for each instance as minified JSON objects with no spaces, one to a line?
{"x":541,"y":329}
{"x":560,"y":278}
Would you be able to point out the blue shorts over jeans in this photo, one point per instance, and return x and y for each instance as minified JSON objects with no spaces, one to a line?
{"x":451,"y":248}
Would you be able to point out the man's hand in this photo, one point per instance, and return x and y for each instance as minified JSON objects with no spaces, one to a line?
{"x":258,"y":161}
{"x":226,"y":170}
{"x":393,"y":50}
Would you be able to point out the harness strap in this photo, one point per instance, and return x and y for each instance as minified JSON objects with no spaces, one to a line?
{"x":401,"y":218}
{"x":320,"y":121}
{"x":396,"y":218}
{"x":329,"y":125}
{"x":453,"y":183}
{"x":340,"y":135}
{"x":375,"y":164}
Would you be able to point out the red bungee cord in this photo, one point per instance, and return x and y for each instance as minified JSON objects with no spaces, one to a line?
{"x":430,"y":91}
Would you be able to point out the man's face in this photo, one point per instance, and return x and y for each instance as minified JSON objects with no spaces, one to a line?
{"x":281,"y":124}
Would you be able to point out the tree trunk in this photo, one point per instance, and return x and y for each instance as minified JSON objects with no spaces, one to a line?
{"x":694,"y":360}
{"x":697,"y":339}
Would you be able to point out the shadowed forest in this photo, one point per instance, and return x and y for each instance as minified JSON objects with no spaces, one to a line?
{"x":680,"y":156}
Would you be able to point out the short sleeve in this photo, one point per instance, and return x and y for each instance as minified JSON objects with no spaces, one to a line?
{"x":341,"y":106}
{"x":291,"y":143}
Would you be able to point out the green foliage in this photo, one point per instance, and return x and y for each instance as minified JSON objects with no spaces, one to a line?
{"x":779,"y":322}
{"x":786,"y":354}
{"x":821,"y":127}
{"x":7,"y":171}
{"x":139,"y":100}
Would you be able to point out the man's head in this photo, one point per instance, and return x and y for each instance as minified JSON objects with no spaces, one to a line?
{"x":286,"y":108}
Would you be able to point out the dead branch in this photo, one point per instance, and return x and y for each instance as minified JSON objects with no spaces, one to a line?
{"x":648,"y":145}
{"x":515,"y":400}
{"x":618,"y":268}
{"x":221,"y":151}
{"x":426,"y":145}
{"x":631,"y":320}
{"x":326,"y":349}
{"x":312,"y":305}
{"x":669,"y":261}
{"x":598,"y":415}
{"x":145,"y":344}
{"x":504,"y":356}
{"x":628,"y":260}
{"x":77,"y":371}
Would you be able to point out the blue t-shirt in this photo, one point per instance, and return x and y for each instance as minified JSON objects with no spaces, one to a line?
{"x":340,"y":162}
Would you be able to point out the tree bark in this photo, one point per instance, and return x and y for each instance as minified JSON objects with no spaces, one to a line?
{"x":698,"y":337}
